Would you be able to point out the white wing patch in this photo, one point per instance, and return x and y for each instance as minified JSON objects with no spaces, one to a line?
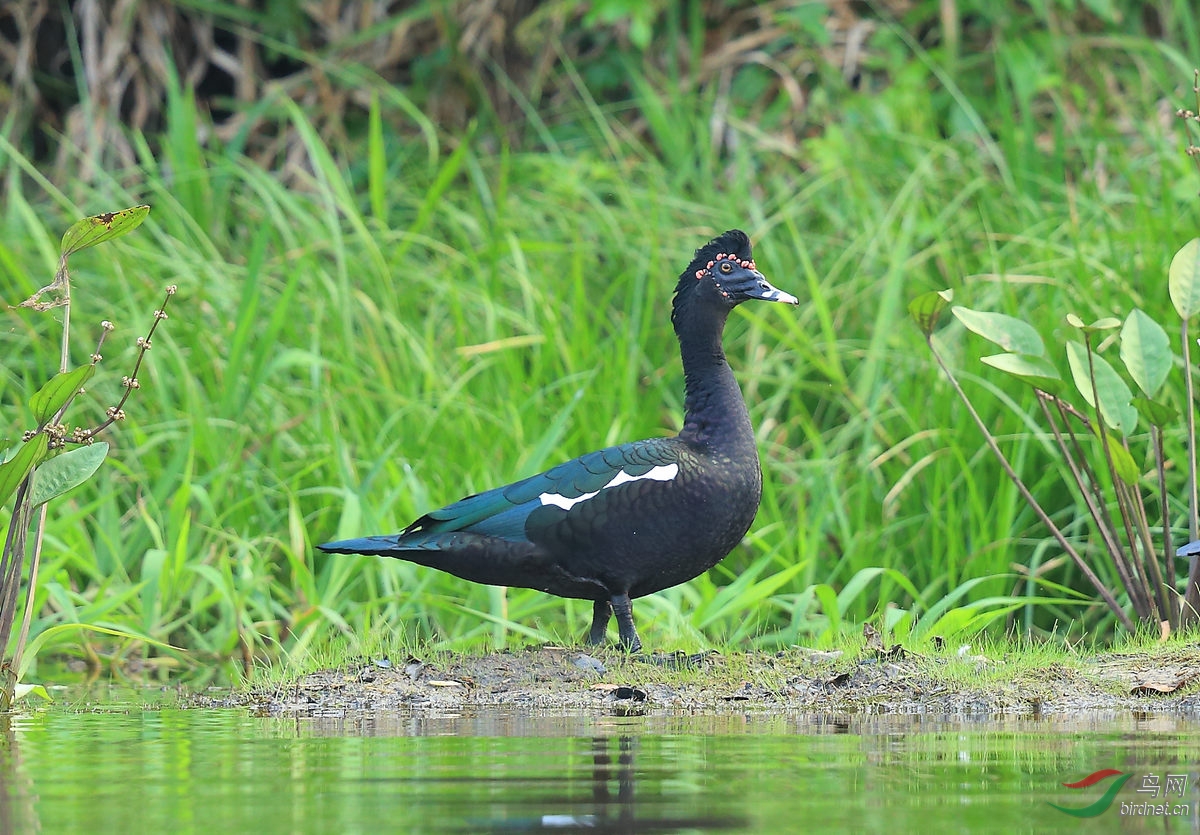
{"x":663,"y":472}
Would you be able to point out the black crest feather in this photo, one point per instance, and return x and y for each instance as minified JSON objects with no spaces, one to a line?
{"x":734,"y":242}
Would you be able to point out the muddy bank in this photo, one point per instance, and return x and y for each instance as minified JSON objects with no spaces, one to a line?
{"x":607,"y":682}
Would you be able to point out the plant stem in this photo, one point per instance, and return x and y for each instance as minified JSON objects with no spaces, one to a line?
{"x":13,"y":557}
{"x":1180,"y":615}
{"x":1191,"y":592}
{"x":1085,"y":477}
{"x":35,"y":556}
{"x":1190,"y":414}
{"x":1028,"y":497}
{"x":1135,"y":583}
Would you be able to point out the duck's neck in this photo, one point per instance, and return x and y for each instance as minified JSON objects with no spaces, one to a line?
{"x":715,"y":414}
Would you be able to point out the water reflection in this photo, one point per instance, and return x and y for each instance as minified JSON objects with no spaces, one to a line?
{"x":17,"y":799}
{"x":511,"y":722}
{"x":128,"y":769}
{"x":612,"y":807}
{"x":757,"y":772}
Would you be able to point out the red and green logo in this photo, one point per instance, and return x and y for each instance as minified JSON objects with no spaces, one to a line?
{"x":1101,"y":805}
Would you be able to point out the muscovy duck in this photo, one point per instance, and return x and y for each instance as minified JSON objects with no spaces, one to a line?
{"x":632,"y":519}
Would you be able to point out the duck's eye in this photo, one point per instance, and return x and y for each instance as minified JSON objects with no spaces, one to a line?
{"x":726,"y":267}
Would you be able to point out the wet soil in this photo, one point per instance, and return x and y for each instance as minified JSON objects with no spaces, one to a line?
{"x":608,"y":682}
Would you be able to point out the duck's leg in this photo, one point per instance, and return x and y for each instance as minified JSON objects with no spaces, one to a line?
{"x":622,"y":607}
{"x":601,"y":610}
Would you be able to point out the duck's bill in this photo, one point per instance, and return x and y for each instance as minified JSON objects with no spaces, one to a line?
{"x":765,"y":291}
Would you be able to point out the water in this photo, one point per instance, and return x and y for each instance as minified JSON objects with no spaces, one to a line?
{"x":168,"y":770}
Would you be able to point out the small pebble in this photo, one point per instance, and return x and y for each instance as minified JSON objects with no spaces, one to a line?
{"x":586,"y":662}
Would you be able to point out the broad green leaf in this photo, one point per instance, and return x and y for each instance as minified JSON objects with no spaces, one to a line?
{"x":1146,"y":351}
{"x":13,"y":471}
{"x":1039,"y":372}
{"x":1011,"y":334}
{"x":946,"y":601}
{"x":100,"y":228}
{"x":1155,"y":413}
{"x":745,"y":592}
{"x":25,"y":690}
{"x":152,"y":568}
{"x":1123,"y":462}
{"x":72,"y":468}
{"x":1115,"y":407}
{"x":52,"y":633}
{"x":1105,"y":324}
{"x":927,"y":308}
{"x":965,"y":621}
{"x":57,"y":391}
{"x":1183,"y":279}
{"x":829,"y":606}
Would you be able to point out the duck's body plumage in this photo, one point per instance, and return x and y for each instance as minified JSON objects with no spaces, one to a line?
{"x":628,"y":520}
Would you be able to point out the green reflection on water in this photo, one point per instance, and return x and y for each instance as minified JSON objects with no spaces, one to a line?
{"x":173,"y":770}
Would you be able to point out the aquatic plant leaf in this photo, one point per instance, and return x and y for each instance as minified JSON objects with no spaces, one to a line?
{"x":1155,"y":413}
{"x":14,"y":470}
{"x":57,"y":391}
{"x":1123,"y":463}
{"x":1146,"y":351}
{"x":1114,"y":394}
{"x":1039,"y":372}
{"x":1105,"y":324}
{"x":927,"y":308}
{"x":100,"y":228}
{"x":65,"y":471}
{"x":22,"y":691}
{"x":1183,"y":279}
{"x":1010,"y":333}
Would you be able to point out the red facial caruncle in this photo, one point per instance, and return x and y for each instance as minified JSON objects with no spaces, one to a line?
{"x":744,"y":263}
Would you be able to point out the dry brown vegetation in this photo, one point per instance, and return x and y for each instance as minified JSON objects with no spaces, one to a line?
{"x":456,"y":62}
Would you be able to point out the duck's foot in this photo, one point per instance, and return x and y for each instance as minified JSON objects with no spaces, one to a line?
{"x":622,"y":607}
{"x":601,"y":611}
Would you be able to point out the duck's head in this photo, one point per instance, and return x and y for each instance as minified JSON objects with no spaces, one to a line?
{"x":723,"y":272}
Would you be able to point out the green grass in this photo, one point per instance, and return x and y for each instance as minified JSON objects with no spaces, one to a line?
{"x":1016,"y":668}
{"x":393,"y":329}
